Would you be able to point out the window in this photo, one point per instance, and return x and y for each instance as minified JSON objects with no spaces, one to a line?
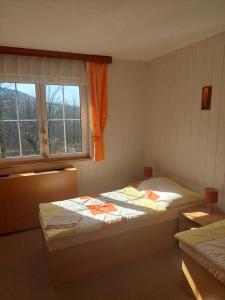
{"x":42,"y":120}
{"x":64,"y":119}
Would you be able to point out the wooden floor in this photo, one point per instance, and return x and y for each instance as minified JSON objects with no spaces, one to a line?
{"x":24,"y":275}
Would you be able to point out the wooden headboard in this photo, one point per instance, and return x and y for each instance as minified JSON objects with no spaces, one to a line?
{"x":21,"y":194}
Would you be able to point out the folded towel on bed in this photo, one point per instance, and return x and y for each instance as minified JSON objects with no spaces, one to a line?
{"x":63,"y":221}
{"x":131,"y":193}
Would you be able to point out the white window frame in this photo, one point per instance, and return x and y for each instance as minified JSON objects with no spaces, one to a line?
{"x":43,"y":126}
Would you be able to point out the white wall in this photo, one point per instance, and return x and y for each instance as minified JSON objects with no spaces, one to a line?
{"x":124,"y":143}
{"x":181,"y":140}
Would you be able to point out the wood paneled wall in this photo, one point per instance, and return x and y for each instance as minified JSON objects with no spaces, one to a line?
{"x":155,"y":119}
{"x":182,"y":141}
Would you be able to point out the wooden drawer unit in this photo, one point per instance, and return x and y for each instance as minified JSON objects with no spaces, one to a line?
{"x":21,"y":194}
{"x":186,"y":224}
{"x":198,"y":216}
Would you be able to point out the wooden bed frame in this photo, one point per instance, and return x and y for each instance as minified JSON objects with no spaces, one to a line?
{"x":78,"y":261}
{"x":199,"y":282}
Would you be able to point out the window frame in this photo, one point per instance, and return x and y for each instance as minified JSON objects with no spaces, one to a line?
{"x":45,"y":156}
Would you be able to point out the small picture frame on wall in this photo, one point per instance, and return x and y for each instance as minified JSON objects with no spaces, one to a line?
{"x":206,"y":97}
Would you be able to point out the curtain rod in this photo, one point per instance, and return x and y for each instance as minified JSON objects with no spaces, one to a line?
{"x":55,"y":54}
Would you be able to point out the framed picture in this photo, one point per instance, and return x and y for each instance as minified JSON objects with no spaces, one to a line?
{"x":206,"y":97}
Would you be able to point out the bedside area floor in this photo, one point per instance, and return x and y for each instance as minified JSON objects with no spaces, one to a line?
{"x":24,"y":275}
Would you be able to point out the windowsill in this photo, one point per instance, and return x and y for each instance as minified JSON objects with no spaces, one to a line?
{"x":42,"y":162}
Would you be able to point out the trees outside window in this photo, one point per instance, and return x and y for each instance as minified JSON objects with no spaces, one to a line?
{"x":42,"y":120}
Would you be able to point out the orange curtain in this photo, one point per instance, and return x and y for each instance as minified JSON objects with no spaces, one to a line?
{"x":97,"y":75}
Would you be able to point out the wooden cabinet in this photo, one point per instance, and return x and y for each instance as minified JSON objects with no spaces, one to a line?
{"x":21,"y":194}
{"x":198,"y":216}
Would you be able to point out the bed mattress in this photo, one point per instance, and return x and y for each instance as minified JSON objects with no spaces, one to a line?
{"x":207,"y":246}
{"x":210,"y":255}
{"x":147,"y":202}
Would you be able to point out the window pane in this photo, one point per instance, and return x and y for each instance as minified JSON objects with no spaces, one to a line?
{"x":63,"y":102}
{"x":29,"y":138}
{"x":54,"y":98}
{"x":9,"y":139}
{"x":18,"y":138}
{"x":7,"y":101}
{"x":73,"y":136}
{"x":56,"y":137}
{"x":27,"y":104}
{"x":72,"y":102}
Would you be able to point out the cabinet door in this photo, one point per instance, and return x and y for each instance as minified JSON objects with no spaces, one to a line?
{"x":20,"y":196}
{"x":186,"y":224}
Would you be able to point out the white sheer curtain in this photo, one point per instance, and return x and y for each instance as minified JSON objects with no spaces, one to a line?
{"x":16,"y":68}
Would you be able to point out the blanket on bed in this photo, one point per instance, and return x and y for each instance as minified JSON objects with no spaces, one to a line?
{"x":100,"y":209}
{"x":96,"y":212}
{"x":202,"y":234}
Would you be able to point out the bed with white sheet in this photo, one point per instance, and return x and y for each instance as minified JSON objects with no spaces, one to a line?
{"x":91,"y":233}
